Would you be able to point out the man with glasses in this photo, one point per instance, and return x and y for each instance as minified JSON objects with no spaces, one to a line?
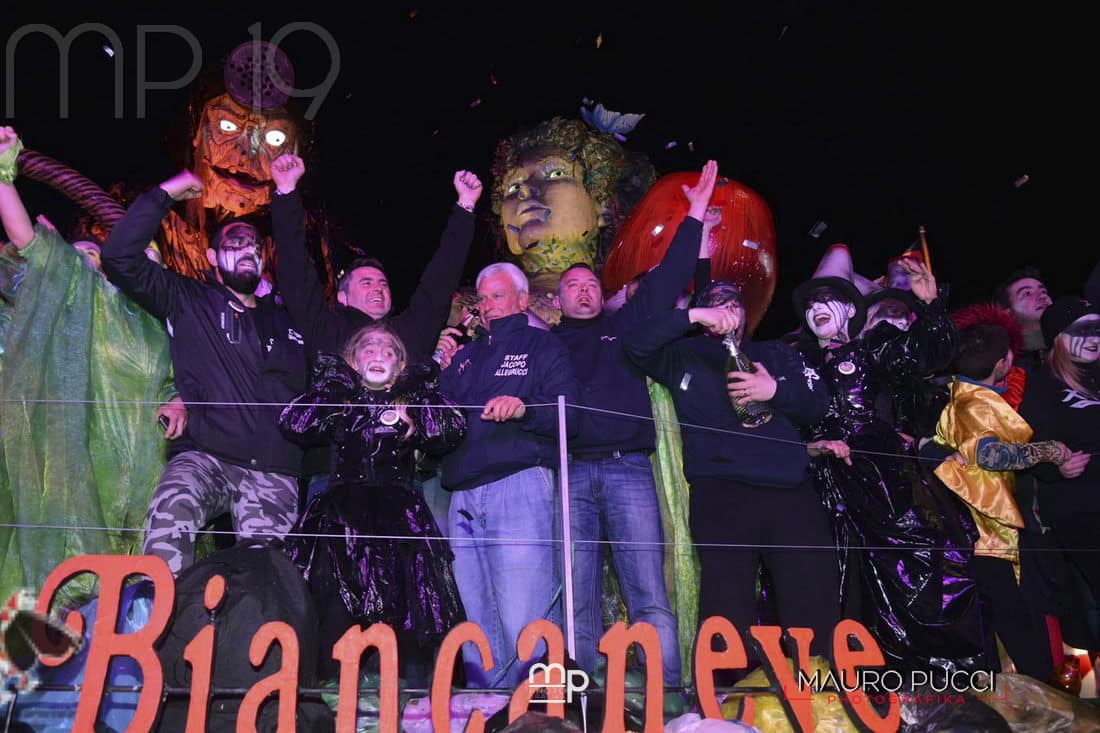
{"x":237,"y":359}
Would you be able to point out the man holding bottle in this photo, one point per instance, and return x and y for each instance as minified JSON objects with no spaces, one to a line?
{"x":750,"y":486}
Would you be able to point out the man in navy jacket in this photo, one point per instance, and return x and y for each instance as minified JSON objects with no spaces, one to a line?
{"x":502,"y":516}
{"x":749,"y":486}
{"x":612,"y":492}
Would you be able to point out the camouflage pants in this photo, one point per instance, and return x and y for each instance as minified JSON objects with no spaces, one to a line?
{"x":196,"y":487}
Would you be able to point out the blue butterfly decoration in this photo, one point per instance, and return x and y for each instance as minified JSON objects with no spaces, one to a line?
{"x":614,"y":123}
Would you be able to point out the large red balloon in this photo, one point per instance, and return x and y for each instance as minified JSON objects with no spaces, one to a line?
{"x":742,"y":246}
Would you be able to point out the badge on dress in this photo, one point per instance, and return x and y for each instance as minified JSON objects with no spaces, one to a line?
{"x":389,"y":417}
{"x":846,"y":368}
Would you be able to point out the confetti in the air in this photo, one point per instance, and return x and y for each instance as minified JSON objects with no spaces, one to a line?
{"x":493,"y":80}
{"x":782,"y":33}
{"x":348,"y":96}
{"x":435,"y":132}
{"x":691,"y":146}
{"x":1021,"y":180}
{"x":108,"y":50}
{"x":818,"y":229}
{"x":412,"y":14}
{"x":599,"y":40}
{"x":587,"y":102}
{"x":671,"y":144}
{"x":620,"y":137}
{"x":475,"y":103}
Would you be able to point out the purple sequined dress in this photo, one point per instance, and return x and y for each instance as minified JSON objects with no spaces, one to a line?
{"x":904,"y":539}
{"x":380,"y":551}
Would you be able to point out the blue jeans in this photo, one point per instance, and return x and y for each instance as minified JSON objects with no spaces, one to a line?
{"x":506,"y":567}
{"x":616,"y":499}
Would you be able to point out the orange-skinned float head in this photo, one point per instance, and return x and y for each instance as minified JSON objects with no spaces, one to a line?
{"x":742,"y":244}
{"x":241,"y":131}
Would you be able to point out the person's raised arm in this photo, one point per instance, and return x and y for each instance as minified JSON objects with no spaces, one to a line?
{"x":929,"y":344}
{"x":124,"y":260}
{"x":703,"y":273}
{"x":430,"y":303}
{"x":661,"y":287}
{"x":13,"y":215}
{"x":295,"y":274}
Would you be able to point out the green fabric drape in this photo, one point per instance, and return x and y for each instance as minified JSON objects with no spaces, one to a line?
{"x":681,"y":560}
{"x":73,"y":336}
{"x":681,"y":563}
{"x":12,"y":267}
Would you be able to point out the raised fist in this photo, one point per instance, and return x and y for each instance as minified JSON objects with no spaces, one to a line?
{"x":182,"y":186}
{"x":468,"y":187}
{"x":8,"y":138}
{"x":285,"y":171}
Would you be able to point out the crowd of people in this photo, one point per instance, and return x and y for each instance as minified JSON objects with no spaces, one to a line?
{"x":901,"y":466}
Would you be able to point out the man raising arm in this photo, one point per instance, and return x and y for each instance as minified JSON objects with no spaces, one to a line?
{"x":364,"y":292}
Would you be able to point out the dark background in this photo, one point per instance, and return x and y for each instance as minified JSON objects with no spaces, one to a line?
{"x":872,"y":117}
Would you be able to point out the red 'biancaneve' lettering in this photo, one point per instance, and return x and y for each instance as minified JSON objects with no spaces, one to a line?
{"x":112,"y":571}
{"x":348,"y":651}
{"x":540,"y":630}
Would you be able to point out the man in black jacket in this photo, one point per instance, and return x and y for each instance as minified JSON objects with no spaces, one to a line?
{"x":364,"y":292}
{"x":236,"y":359}
{"x":612,"y":492}
{"x":502,"y":510}
{"x":749,"y":486}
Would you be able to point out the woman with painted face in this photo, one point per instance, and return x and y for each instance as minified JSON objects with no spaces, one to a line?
{"x":1062,"y":402}
{"x":376,"y":410}
{"x":912,"y":590}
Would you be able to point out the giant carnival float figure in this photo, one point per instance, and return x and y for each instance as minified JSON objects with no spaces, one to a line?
{"x":239,"y":121}
{"x":567,"y":191}
{"x":238,"y":124}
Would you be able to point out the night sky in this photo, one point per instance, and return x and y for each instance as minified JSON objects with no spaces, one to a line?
{"x":873,"y":117}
